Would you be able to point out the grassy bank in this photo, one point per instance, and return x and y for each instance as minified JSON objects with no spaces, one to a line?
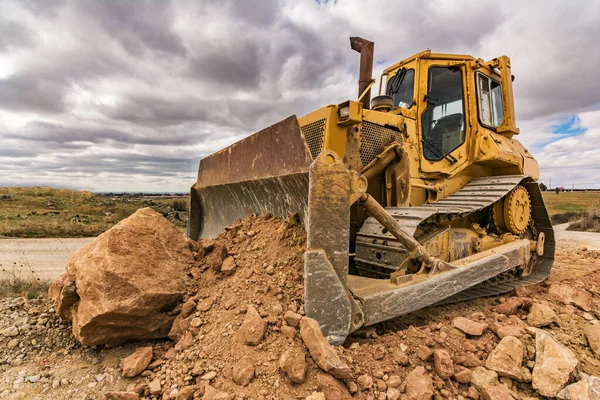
{"x":48,"y":212}
{"x":571,"y":206}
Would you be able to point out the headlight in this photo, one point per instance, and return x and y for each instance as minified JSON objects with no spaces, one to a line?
{"x":344,"y":112}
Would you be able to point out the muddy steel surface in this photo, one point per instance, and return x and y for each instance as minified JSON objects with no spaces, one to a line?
{"x":36,"y":258}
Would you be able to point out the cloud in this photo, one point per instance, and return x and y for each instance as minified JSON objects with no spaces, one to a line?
{"x":112,"y":95}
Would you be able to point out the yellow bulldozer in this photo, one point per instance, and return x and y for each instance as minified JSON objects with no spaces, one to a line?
{"x":419,"y":197}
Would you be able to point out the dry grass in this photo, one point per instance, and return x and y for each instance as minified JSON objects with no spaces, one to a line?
{"x":570,"y":206}
{"x":48,"y":212}
{"x":590,"y":223}
{"x":22,"y":287}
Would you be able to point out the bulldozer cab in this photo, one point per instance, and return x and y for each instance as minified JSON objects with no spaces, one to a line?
{"x":452,"y":99}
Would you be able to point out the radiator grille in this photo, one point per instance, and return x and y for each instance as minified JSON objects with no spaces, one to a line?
{"x":314,"y":134}
{"x":374,"y":139}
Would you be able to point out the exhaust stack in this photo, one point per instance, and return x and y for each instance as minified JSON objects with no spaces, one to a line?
{"x":365,"y":48}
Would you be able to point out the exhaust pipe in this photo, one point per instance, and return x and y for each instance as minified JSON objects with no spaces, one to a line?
{"x":365,"y":48}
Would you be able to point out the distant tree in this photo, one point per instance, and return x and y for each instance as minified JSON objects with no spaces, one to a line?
{"x":543,"y":187}
{"x":557,"y":190}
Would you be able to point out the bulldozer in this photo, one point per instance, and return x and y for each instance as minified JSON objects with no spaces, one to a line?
{"x":417,"y":197}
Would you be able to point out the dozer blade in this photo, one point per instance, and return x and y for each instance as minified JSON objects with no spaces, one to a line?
{"x":263,"y":173}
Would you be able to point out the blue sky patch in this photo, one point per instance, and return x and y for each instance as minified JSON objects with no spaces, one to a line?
{"x":569,"y":126}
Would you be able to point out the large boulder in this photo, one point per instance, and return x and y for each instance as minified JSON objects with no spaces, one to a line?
{"x":123,"y":285}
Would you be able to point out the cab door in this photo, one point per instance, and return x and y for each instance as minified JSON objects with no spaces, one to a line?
{"x":443,"y":117}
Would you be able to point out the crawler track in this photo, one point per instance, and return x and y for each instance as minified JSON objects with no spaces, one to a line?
{"x":378,"y":253}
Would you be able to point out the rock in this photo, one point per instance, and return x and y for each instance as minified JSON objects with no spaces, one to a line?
{"x":394,"y":381}
{"x":392,"y":394}
{"x":507,"y":330}
{"x":321,"y":351}
{"x":179,"y":327}
{"x":316,"y":396}
{"x":571,"y":295}
{"x":469,"y":327}
{"x":229,"y":266}
{"x":137,"y":362}
{"x":443,"y":364}
{"x":588,"y":388}
{"x":288,"y":331}
{"x":540,"y":315}
{"x":592,"y":334}
{"x":482,"y":377}
{"x":469,"y":360}
{"x":400,"y":357}
{"x":419,"y":385}
{"x":209,"y":376}
{"x":243,"y":371}
{"x":332,"y":388}
{"x":292,"y":318}
{"x":125,"y":282}
{"x":154,"y":387}
{"x":205,"y":305}
{"x":554,"y":364}
{"x":121,"y":396}
{"x":498,"y":392}
{"x":464,"y":376}
{"x":506,"y":359}
{"x":364,"y":382}
{"x":33,"y":378}
{"x":293,"y":363}
{"x":512,"y":305}
{"x":253,"y":328}
{"x":222,"y":396}
{"x":187,"y":308}
{"x":186,"y":393}
{"x":424,"y":353}
{"x":472,"y":393}
{"x":13,"y":344}
{"x":215,"y":258}
{"x":11,"y":331}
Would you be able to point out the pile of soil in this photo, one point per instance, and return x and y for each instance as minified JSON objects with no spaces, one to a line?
{"x":256,"y":264}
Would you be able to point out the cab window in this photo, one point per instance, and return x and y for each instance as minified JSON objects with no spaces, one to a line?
{"x":443,"y":120}
{"x":401,"y":88}
{"x":489,"y":96}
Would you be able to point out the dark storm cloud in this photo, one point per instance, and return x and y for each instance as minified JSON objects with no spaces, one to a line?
{"x":14,"y":35}
{"x":139,"y":26}
{"x":27,"y":93}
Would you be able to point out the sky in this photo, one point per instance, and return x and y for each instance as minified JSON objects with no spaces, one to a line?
{"x":119,"y":95}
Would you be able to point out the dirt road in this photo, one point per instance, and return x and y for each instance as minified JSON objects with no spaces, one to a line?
{"x":36,"y":258}
{"x":591,"y":240}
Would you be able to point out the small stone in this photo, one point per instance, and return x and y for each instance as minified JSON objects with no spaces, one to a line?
{"x":419,"y":385}
{"x":512,"y":306}
{"x":288,"y":331}
{"x":588,"y":317}
{"x":472,"y":393}
{"x":253,"y":328}
{"x":540,"y":315}
{"x":364,"y":382}
{"x":292,"y":318}
{"x":154,"y":387}
{"x":464,"y":376}
{"x":506,"y":359}
{"x":188,"y":308}
{"x":498,"y":392}
{"x":424,"y":353}
{"x":205,"y":305}
{"x":400,"y":357}
{"x":293,"y":363}
{"x":592,"y":334}
{"x":33,"y":378}
{"x":469,"y":360}
{"x":394,"y":381}
{"x":393,"y":394}
{"x":332,"y":388}
{"x":121,"y":396}
{"x":443,"y":363}
{"x":135,"y":363}
{"x":482,"y":377}
{"x":186,"y":393}
{"x":13,"y":344}
{"x":209,"y":376}
{"x":243,"y":371}
{"x":378,"y":352}
{"x":469,"y":327}
{"x":507,"y":330}
{"x":270,"y":270}
{"x":55,"y":384}
{"x":316,"y":396}
{"x":11,"y":331}
{"x":228,"y":267}
{"x":554,"y":364}
{"x":321,"y":351}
